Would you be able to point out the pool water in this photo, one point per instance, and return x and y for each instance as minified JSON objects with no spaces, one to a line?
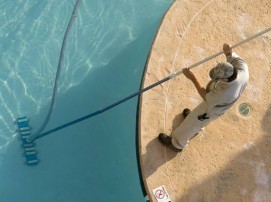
{"x":94,"y":160}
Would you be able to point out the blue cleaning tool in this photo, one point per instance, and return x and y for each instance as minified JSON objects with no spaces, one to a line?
{"x":24,"y":131}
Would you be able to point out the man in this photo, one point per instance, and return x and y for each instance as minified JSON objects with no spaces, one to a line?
{"x":228,"y":81}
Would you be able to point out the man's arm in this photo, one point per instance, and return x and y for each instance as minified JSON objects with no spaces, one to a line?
{"x":201,"y":90}
{"x":234,"y":59}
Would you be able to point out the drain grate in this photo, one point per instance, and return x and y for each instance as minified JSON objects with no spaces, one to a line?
{"x":244,"y":109}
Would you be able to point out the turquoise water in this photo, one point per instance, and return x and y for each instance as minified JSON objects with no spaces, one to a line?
{"x":94,"y":160}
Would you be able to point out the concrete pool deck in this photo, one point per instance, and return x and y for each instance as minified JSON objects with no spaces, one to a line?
{"x":230,"y":160}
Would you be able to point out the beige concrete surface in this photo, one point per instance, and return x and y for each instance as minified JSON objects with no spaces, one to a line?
{"x":230,"y":160}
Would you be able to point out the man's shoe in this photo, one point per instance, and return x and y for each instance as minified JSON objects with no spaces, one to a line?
{"x":186,"y":112}
{"x":166,"y":141}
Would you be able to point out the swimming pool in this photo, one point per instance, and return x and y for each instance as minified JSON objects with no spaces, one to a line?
{"x":94,"y":160}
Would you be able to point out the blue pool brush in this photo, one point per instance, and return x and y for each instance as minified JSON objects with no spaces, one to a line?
{"x":24,"y":131}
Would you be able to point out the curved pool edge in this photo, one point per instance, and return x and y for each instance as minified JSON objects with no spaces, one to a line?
{"x":139,"y":152}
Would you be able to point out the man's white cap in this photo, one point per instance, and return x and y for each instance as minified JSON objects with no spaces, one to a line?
{"x":222,"y":70}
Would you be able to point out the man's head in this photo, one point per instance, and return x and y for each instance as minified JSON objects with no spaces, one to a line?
{"x":223,"y":70}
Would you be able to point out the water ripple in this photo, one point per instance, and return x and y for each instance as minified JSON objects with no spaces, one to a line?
{"x":30,"y":41}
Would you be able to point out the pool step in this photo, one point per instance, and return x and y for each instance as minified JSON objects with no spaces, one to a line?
{"x":24,"y":131}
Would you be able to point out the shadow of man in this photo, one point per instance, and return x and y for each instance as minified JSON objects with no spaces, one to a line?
{"x":178,"y":119}
{"x":155,"y":156}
